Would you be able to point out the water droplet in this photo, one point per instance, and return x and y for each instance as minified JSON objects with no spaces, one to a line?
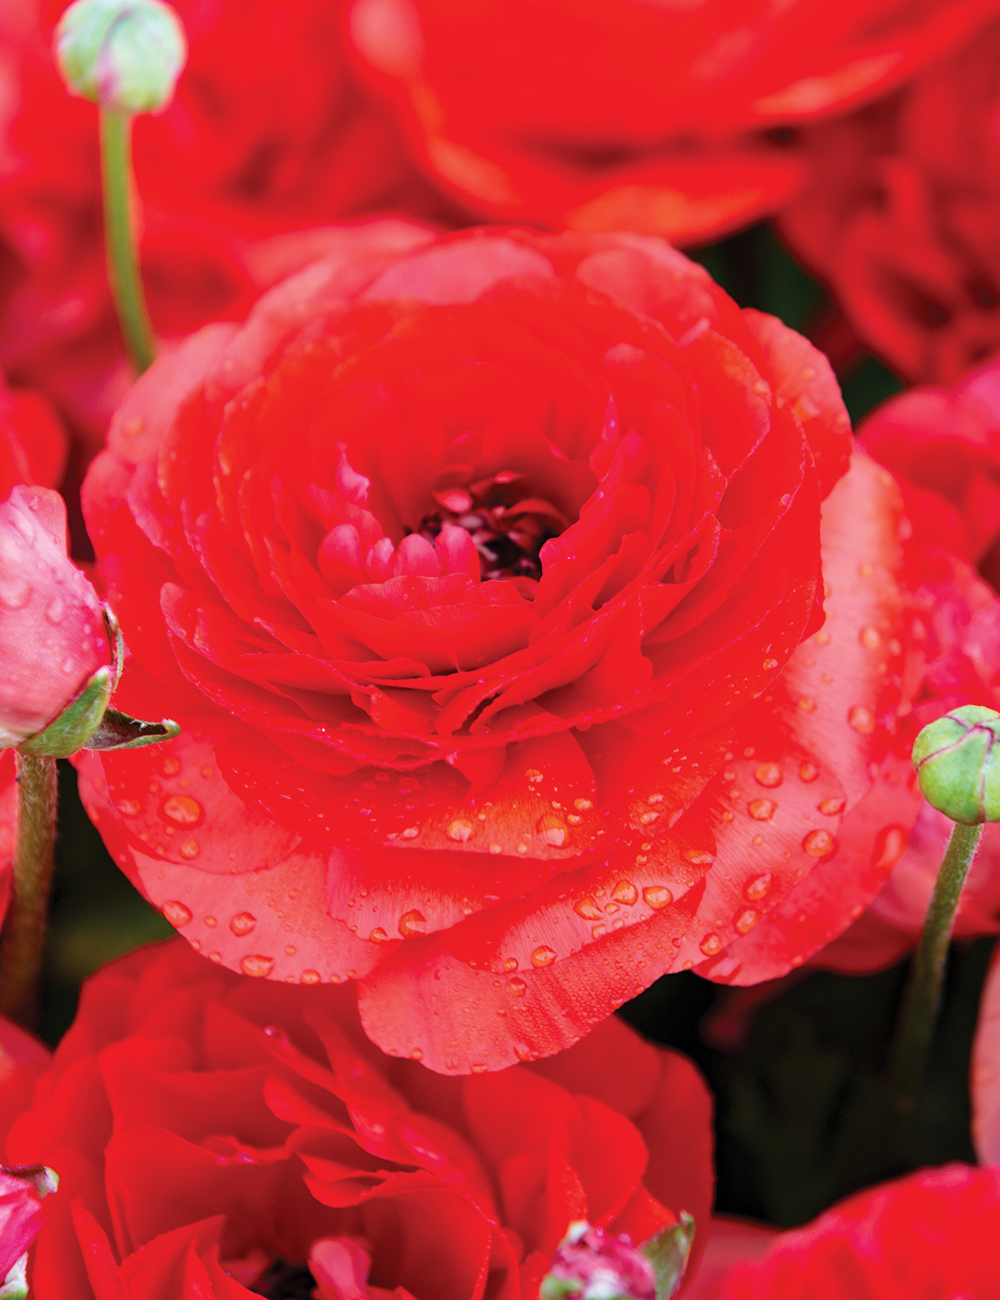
{"x":769,"y":665}
{"x":14,"y":593}
{"x":182,"y":809}
{"x":55,"y":610}
{"x":460,"y":831}
{"x":728,"y":815}
{"x":657,"y":896}
{"x":378,"y":935}
{"x":758,"y":840}
{"x":711,"y":944}
{"x":745,"y":921}
{"x":762,"y":810}
{"x":176,"y":913}
{"x":496,"y":848}
{"x":256,"y":964}
{"x":171,"y":765}
{"x":534,"y":776}
{"x":597,"y":930}
{"x":477,"y":1067}
{"x":807,"y":704}
{"x":189,"y":849}
{"x":870,"y":637}
{"x":768,"y":774}
{"x":417,"y":1054}
{"x":861,"y":719}
{"x":588,"y":909}
{"x":890,"y":845}
{"x":67,"y":665}
{"x":582,"y":805}
{"x":756,"y":889}
{"x":552,"y":830}
{"x":518,"y":986}
{"x":699,"y":857}
{"x":410,"y":833}
{"x":211,"y":922}
{"x":543,"y":956}
{"x":819,"y":843}
{"x":831,"y":807}
{"x":647,"y":818}
{"x":625,"y":892}
{"x":808,"y":772}
{"x":128,"y":807}
{"x":310,"y":977}
{"x":411,"y":923}
{"x":290,"y":950}
{"x":510,"y":965}
{"x":242,"y":923}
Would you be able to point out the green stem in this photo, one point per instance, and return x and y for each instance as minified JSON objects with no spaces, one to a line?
{"x":923,"y":994}
{"x":123,"y":260}
{"x":24,"y":932}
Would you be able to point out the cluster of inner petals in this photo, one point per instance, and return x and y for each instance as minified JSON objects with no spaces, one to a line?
{"x":485,"y":530}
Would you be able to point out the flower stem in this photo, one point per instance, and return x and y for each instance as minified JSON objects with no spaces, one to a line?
{"x":923,"y":994}
{"x":24,"y":932}
{"x":123,"y":260}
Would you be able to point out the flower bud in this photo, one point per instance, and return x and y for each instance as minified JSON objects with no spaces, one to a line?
{"x":53,"y":640}
{"x":957,"y":760}
{"x":125,"y":55}
{"x":589,"y":1264}
{"x":21,"y":1193}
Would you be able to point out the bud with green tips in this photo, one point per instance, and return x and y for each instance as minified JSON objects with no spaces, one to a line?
{"x":957,"y":760}
{"x":124,"y":55}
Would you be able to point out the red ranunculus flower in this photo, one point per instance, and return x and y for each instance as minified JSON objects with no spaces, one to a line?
{"x":929,"y":1236}
{"x":471,"y":574}
{"x":943,"y":445}
{"x":679,"y":120}
{"x":216,"y":1137}
{"x":268,"y":138}
{"x":901,"y":216}
{"x":32,"y":441}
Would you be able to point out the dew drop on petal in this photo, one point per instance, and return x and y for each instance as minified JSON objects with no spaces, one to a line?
{"x":582,"y":805}
{"x":831,"y":807}
{"x":552,"y":831}
{"x":518,"y":986}
{"x":534,"y":776}
{"x":256,"y":964}
{"x":55,"y":610}
{"x":808,"y":772}
{"x":128,"y":807}
{"x":510,"y":965}
{"x":768,"y":774}
{"x":460,"y":831}
{"x":762,"y":810}
{"x":807,"y":704}
{"x":189,"y":849}
{"x":870,"y":637}
{"x":745,"y":921}
{"x":758,"y":887}
{"x":417,"y":1054}
{"x":182,"y":809}
{"x":310,"y":977}
{"x":176,"y":913}
{"x":657,"y":896}
{"x":242,"y":923}
{"x":170,"y":765}
{"x":861,"y":719}
{"x":711,"y":944}
{"x":378,"y":935}
{"x":819,"y":843}
{"x":699,"y":857}
{"x":890,"y":845}
{"x":625,"y":892}
{"x":14,"y":593}
{"x":411,"y":923}
{"x":769,"y":665}
{"x":587,"y":908}
{"x":543,"y":956}
{"x":409,"y":833}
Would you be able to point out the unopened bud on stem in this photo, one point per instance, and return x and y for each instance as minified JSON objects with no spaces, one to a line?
{"x":957,"y":760}
{"x":124,"y":55}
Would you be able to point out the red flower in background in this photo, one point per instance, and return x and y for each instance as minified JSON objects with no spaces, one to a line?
{"x":471,"y":573}
{"x":928,"y":1236}
{"x":213,"y":1134}
{"x":943,"y":445}
{"x":268,"y":138}
{"x":678,"y":120}
{"x":901,"y":216}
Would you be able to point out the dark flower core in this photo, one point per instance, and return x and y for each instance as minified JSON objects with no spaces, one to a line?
{"x":283,"y":1281}
{"x":508,"y":528}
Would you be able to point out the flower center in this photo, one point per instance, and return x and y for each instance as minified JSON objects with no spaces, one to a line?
{"x":508,"y":528}
{"x":284,"y":1281}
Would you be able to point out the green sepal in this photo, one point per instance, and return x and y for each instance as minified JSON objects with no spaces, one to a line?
{"x":668,"y":1252}
{"x":77,"y":722}
{"x":120,"y":731}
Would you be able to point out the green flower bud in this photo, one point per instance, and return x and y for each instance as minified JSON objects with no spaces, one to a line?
{"x":125,"y":55}
{"x":957,"y":760}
